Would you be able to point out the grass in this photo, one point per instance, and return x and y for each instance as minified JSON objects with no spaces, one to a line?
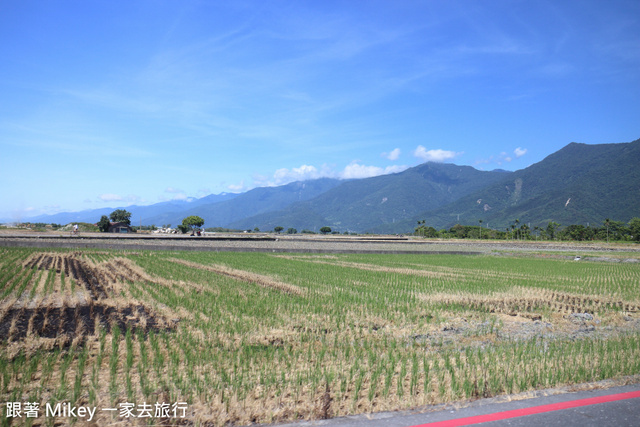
{"x":253,"y":337}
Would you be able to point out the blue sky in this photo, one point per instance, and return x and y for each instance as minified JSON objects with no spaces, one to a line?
{"x":113,"y":103}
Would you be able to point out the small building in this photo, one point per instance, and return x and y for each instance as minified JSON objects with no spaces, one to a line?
{"x":120,"y":227}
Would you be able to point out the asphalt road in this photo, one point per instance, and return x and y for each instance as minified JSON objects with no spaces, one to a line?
{"x":617,"y":406}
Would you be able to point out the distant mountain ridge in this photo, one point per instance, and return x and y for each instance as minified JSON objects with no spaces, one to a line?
{"x":215,"y":209}
{"x":365,"y":203}
{"x":580,"y":183}
{"x":139,"y":213}
{"x":253,"y":202}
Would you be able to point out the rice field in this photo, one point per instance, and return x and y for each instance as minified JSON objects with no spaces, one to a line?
{"x":241,"y":338}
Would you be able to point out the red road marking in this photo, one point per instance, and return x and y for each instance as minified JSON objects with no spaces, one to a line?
{"x":530,"y":411}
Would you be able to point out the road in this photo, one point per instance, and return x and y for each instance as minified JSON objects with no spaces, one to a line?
{"x":617,"y":406}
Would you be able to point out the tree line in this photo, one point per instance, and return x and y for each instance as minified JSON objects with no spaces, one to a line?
{"x":608,"y":231}
{"x":279,"y":229}
{"x":191,"y":223}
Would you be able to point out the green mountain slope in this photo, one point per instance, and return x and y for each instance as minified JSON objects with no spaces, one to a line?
{"x":365,"y":203}
{"x":253,"y":202}
{"x":578,"y":184}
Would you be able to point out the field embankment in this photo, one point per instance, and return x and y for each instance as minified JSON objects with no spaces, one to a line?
{"x":243,"y":242}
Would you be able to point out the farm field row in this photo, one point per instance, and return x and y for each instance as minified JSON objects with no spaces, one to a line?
{"x":258,"y":337}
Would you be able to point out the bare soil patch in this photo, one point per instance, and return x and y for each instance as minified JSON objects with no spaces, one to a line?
{"x":95,"y":306}
{"x":68,"y":323}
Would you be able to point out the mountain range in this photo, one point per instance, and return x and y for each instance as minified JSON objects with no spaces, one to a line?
{"x":363,"y":204}
{"x":578,"y":184}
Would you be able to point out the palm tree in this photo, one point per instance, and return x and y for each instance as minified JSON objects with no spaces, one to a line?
{"x":606,"y":222}
{"x":480,"y":221}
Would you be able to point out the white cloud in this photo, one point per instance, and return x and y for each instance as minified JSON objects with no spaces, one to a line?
{"x":180,"y":196}
{"x":131,"y":198}
{"x":173,"y":190}
{"x":519,"y":152}
{"x":110,"y":197}
{"x":395,"y":169}
{"x":503,"y":157}
{"x":51,"y":209}
{"x":237,"y":188}
{"x":355,"y":171}
{"x":393,"y":155}
{"x":177,"y":194}
{"x":304,"y":172}
{"x":358,"y":171}
{"x":284,"y":176}
{"x":434,"y":155}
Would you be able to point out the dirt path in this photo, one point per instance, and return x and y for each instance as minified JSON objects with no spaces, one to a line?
{"x":320,"y":244}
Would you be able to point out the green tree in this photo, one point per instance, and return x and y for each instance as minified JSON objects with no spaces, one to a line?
{"x":292,"y":231}
{"x":278,"y":229}
{"x":551,"y":229}
{"x":619,"y":230}
{"x":104,"y":224}
{"x":421,"y":230}
{"x":120,"y":215}
{"x":325,"y":230}
{"x":192,"y":222}
{"x":425,"y":231}
{"x":574,"y":232}
{"x":634,"y":228}
{"x":430,"y":232}
{"x":459,"y":231}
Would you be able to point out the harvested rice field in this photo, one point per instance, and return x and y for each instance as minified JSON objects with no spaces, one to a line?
{"x":235,"y":338}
